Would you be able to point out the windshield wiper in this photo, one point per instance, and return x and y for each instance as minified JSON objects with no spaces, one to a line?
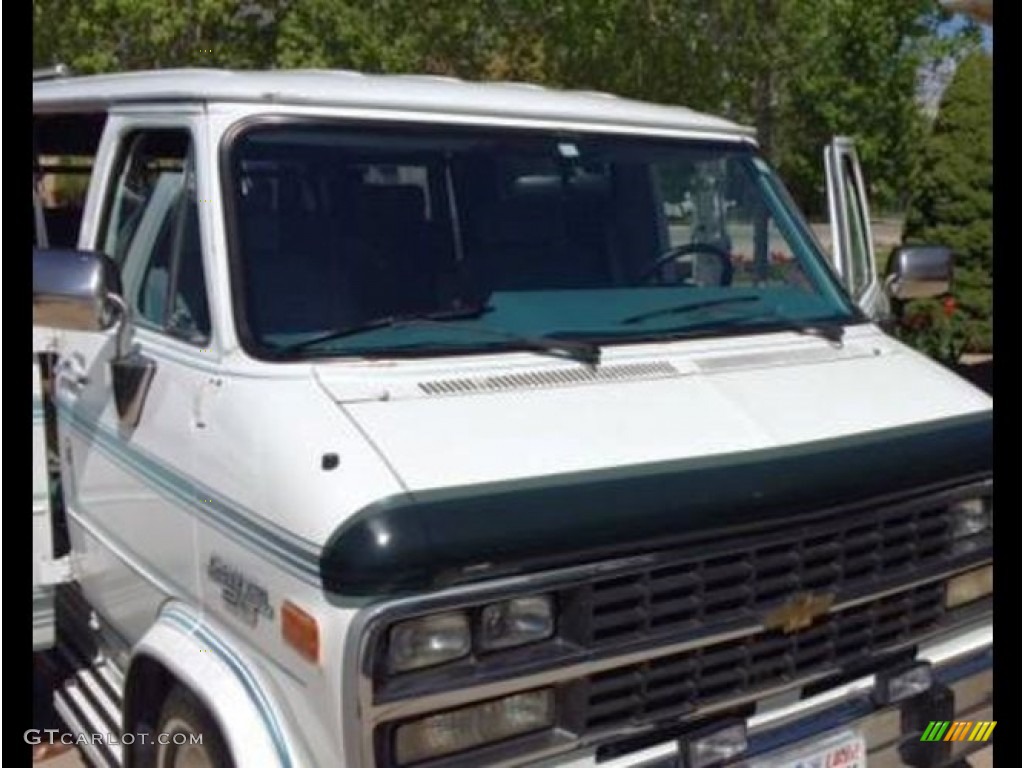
{"x":693,"y":306}
{"x":829,"y":331}
{"x":582,"y":351}
{"x":388,"y":321}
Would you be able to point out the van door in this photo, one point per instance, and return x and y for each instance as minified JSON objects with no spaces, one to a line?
{"x":43,"y":340}
{"x":126,"y":419}
{"x":853,"y":251}
{"x":64,"y":150}
{"x":42,"y":533}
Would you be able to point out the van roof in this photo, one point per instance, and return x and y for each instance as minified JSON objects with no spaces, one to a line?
{"x":344,"y":88}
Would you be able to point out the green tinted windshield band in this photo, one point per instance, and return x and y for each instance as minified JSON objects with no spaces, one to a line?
{"x":409,"y":542}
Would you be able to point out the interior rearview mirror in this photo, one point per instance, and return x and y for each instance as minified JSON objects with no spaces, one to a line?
{"x":74,"y":290}
{"x":552,"y":185}
{"x":919,"y":272}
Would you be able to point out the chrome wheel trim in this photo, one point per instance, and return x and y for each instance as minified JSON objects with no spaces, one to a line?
{"x":185,"y":755}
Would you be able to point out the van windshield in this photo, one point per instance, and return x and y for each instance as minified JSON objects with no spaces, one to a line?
{"x":390,"y":241}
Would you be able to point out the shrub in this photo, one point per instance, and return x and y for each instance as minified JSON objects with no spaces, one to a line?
{"x":951,"y":204}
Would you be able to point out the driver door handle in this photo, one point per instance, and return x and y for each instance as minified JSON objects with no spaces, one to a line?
{"x":71,"y":375}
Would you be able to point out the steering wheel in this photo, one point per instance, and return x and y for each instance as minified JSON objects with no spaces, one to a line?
{"x":725,"y":263}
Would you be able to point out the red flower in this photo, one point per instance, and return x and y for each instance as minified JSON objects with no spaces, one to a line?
{"x":948,"y":306}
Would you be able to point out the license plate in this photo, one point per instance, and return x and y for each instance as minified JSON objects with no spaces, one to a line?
{"x":846,"y":750}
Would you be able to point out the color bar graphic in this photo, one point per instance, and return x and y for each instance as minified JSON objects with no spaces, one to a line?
{"x":944,"y":730}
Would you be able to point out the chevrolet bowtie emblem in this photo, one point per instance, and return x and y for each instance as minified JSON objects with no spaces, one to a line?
{"x":799,"y":612}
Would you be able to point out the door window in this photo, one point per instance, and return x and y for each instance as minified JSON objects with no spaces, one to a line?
{"x":152,"y":232}
{"x":853,"y":255}
{"x":860,"y":247}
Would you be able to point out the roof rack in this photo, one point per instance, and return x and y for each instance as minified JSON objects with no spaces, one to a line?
{"x":51,"y":73}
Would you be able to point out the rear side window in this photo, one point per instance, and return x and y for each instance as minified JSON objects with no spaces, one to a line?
{"x":152,"y":232}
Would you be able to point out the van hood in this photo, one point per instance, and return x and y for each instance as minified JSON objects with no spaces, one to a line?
{"x":651,"y":444}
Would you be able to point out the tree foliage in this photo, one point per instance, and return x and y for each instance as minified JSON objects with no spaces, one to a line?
{"x":799,"y":70}
{"x":951,"y":202}
{"x":117,"y":35}
{"x":857,"y":77}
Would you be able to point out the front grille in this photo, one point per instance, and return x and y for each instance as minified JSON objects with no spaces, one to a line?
{"x":672,"y":686}
{"x":701,"y":631}
{"x":695,"y":592}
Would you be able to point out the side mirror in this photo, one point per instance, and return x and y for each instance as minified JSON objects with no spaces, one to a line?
{"x":75,"y":290}
{"x":919,"y":272}
{"x":81,"y":291}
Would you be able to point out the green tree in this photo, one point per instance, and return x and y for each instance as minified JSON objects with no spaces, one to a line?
{"x":799,"y":70}
{"x":951,"y":201}
{"x":94,"y":36}
{"x":336,"y":34}
{"x":856,"y":75}
{"x":473,"y":39}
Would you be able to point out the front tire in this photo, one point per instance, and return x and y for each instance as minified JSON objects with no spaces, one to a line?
{"x":184,"y":721}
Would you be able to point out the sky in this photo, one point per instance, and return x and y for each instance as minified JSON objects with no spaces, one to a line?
{"x":959,"y":21}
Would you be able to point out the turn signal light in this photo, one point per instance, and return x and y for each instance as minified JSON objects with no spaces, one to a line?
{"x":300,"y":631}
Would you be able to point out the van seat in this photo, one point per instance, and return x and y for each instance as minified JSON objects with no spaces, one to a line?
{"x":382,"y":230}
{"x":533,"y":243}
{"x":296,"y":282}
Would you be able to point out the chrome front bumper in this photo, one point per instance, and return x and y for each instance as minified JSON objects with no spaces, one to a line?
{"x":962,"y":671}
{"x":889,"y":741}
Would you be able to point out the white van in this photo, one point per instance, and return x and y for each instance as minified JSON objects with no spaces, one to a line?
{"x":405,"y":421}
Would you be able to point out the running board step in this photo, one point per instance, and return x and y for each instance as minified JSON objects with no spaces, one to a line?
{"x":85,"y":724}
{"x":89,"y":702}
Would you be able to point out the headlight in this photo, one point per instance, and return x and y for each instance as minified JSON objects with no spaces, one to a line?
{"x":474,"y":726}
{"x":443,"y":637}
{"x":427,"y":641}
{"x":968,"y":587}
{"x":971,"y":516}
{"x":516,"y":622}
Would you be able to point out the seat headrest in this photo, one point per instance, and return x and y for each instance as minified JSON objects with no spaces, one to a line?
{"x":257,"y":194}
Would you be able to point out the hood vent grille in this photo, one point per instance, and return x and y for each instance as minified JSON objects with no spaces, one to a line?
{"x":760,"y":359}
{"x":546,"y":379}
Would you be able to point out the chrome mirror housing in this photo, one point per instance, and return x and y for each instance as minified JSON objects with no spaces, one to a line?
{"x":919,"y":272}
{"x":75,"y":290}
